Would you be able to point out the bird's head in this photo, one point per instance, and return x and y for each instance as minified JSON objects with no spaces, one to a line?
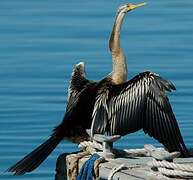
{"x":125,"y":8}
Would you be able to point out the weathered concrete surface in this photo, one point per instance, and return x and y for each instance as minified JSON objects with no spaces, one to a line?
{"x":136,"y":168}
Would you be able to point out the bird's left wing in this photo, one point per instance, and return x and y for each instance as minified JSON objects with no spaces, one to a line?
{"x":75,"y":120}
{"x":77,"y":85}
{"x":140,"y":103}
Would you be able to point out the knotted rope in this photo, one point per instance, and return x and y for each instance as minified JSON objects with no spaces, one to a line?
{"x":170,"y":165}
{"x":91,"y":147}
{"x":171,"y":169}
{"x":176,"y":173}
{"x":96,"y":165}
{"x":165,"y":168}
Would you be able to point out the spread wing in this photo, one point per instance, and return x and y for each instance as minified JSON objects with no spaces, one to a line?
{"x":136,"y":104}
{"x":77,"y":85}
{"x":76,"y":119}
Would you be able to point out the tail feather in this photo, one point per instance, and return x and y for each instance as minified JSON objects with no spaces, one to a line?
{"x":35,"y":158}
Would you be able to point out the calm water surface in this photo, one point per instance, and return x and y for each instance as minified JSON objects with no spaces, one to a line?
{"x":41,"y":41}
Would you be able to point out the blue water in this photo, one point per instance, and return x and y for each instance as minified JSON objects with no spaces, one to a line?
{"x":41,"y":41}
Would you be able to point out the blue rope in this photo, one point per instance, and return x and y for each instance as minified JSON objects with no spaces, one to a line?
{"x":87,"y":170}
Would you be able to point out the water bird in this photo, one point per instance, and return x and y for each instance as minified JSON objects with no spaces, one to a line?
{"x":113,"y":105}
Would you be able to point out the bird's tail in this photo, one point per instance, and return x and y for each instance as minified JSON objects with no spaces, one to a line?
{"x":35,"y":158}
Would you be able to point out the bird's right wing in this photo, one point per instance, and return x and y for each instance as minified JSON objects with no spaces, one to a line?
{"x":140,"y":103}
{"x":143,"y":103}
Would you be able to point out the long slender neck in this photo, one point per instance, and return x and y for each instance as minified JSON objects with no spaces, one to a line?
{"x":119,"y":73}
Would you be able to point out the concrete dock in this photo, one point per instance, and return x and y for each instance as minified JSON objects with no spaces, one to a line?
{"x":135,"y":168}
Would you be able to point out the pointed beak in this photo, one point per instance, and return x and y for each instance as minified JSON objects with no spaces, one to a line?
{"x":137,"y":5}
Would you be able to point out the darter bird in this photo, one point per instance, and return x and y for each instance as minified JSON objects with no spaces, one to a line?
{"x":113,"y":105}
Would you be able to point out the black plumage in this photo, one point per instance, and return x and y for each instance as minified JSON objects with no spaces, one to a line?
{"x":112,"y":105}
{"x":140,"y":103}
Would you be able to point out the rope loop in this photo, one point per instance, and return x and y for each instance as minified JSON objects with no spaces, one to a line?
{"x":171,"y":169}
{"x":115,"y":170}
{"x":166,"y":168}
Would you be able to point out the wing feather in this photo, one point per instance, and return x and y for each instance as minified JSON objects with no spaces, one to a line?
{"x":163,"y":114}
{"x":78,"y":84}
{"x":100,"y":113}
{"x":142,"y":103}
